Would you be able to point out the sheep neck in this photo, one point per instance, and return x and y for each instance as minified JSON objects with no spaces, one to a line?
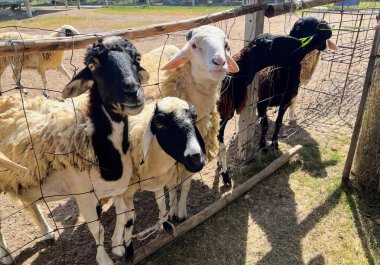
{"x":109,"y":137}
{"x":202,"y":92}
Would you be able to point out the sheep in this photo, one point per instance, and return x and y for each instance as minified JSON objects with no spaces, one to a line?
{"x":163,"y":134}
{"x":97,"y":163}
{"x":194,"y":74}
{"x":260,"y":53}
{"x":303,"y":28}
{"x":38,"y":61}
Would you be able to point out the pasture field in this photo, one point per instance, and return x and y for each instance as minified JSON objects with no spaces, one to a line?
{"x":299,"y":215}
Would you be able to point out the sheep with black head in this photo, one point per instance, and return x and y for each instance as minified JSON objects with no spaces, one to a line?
{"x":164,"y":135}
{"x":278,"y":85}
{"x":96,"y":137}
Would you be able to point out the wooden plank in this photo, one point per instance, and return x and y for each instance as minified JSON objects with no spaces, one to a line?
{"x":254,"y":25}
{"x":212,"y":209}
{"x":79,"y":42}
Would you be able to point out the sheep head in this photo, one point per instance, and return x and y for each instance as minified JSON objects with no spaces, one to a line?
{"x":67,"y":31}
{"x":173,"y":124}
{"x":208,"y":51}
{"x":317,"y":31}
{"x":113,"y":71}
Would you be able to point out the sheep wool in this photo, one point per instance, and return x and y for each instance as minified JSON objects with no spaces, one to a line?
{"x":179,"y":83}
{"x":152,"y":61}
{"x":54,"y":127}
{"x":308,"y":66}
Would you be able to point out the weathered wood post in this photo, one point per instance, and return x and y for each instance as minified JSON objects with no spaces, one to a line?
{"x":78,"y":4}
{"x":66,"y":4}
{"x":28,"y":8}
{"x":254,"y":25}
{"x":366,"y":165}
{"x":359,"y":119}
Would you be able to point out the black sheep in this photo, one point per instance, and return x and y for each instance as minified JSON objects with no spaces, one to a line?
{"x":285,"y":53}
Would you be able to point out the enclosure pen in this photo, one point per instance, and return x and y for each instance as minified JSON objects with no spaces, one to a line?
{"x":327,"y":103}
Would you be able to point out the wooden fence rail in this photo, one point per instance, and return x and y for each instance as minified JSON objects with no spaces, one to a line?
{"x":79,"y":42}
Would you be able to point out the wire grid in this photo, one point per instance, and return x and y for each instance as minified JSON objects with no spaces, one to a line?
{"x":317,"y":101}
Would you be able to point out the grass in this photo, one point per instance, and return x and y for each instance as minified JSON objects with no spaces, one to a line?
{"x":300,"y":215}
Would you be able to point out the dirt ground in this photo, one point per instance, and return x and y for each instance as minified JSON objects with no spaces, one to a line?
{"x":273,"y":207}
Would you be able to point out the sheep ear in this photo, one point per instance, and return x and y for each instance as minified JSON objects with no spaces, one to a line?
{"x":331,"y":45}
{"x":7,"y":163}
{"x":81,"y":83}
{"x":178,"y":59}
{"x":144,"y":76}
{"x":232,"y":65}
{"x":146,"y":142}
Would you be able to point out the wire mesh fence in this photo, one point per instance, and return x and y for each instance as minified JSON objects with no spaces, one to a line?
{"x":328,"y":102}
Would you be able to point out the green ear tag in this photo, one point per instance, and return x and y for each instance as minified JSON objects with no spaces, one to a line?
{"x":306,"y":41}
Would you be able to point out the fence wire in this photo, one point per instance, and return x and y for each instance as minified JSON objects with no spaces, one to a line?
{"x":328,"y":102}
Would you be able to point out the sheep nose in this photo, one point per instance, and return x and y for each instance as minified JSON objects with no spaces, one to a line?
{"x":130,"y":87}
{"x":218,"y":61}
{"x":197,"y":160}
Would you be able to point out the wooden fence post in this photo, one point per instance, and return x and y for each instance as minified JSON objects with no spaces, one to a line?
{"x":78,"y":4}
{"x":254,"y":25}
{"x":28,"y":8}
{"x":363,"y":100}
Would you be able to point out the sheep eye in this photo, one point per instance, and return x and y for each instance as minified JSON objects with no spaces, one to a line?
{"x":91,"y":66}
{"x":227,"y":47}
{"x":193,"y":46}
{"x":138,"y":59}
{"x":160,"y":126}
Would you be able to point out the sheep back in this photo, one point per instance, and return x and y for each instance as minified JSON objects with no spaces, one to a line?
{"x":45,"y":60}
{"x":54,"y":128}
{"x":151,"y":62}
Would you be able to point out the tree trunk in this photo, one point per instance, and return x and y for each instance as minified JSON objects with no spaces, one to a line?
{"x":366,"y":166}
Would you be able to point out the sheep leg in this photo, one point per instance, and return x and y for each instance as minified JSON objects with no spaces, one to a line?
{"x":1,"y":74}
{"x":173,"y":202}
{"x":17,"y":79}
{"x":262,"y":113}
{"x":264,"y":130}
{"x":5,"y":256}
{"x":163,"y":213}
{"x":87,"y":206}
{"x":280,"y":116}
{"x":44,"y":82}
{"x":222,"y":154}
{"x":182,"y":211}
{"x":35,"y":213}
{"x":63,"y":70}
{"x":118,"y":243}
{"x":130,"y":217}
{"x":292,"y":111}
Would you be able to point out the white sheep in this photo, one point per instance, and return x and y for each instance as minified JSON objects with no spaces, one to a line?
{"x":38,"y":61}
{"x":82,"y":154}
{"x":194,"y":74}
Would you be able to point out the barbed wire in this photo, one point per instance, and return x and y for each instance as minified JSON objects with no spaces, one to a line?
{"x":315,"y":109}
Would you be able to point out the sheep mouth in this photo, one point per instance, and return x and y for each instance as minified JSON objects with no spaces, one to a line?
{"x":125,"y":109}
{"x":194,"y":166}
{"x":133,"y":109}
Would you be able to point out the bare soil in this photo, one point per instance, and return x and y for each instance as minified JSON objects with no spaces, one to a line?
{"x":76,"y":245}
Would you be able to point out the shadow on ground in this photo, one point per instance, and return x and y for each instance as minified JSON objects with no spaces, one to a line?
{"x":21,"y":14}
